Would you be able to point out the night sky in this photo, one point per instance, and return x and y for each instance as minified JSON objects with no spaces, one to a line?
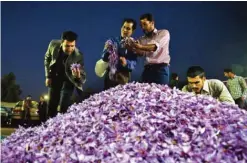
{"x":210,"y":34}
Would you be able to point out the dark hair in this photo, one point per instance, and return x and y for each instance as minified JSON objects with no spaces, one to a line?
{"x":129,"y":20}
{"x":228,"y":70}
{"x":29,"y":96}
{"x":194,"y":71}
{"x":69,"y":36}
{"x":147,"y":16}
{"x":174,"y":76}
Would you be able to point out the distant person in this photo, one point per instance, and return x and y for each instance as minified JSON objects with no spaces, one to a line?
{"x":154,"y":45}
{"x":237,"y":87}
{"x":126,"y":59}
{"x":26,"y":107}
{"x":174,"y":82}
{"x":42,"y":107}
{"x":198,"y":84}
{"x":60,"y":79}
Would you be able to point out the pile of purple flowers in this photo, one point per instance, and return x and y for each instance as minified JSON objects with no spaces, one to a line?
{"x":136,"y":123}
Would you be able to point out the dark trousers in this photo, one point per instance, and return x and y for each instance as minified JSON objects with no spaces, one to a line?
{"x":241,"y":103}
{"x":156,"y":73}
{"x":118,"y":78}
{"x":42,"y":115}
{"x":26,"y":117}
{"x":60,"y":94}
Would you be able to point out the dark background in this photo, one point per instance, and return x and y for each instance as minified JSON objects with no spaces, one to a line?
{"x":210,"y":34}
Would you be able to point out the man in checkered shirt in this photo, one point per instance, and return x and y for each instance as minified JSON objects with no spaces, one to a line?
{"x":237,"y":87}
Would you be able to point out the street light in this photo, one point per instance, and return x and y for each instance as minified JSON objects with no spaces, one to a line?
{"x":46,"y":97}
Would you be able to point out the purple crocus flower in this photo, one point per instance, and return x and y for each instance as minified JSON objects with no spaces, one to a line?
{"x":113,"y":57}
{"x":136,"y":122}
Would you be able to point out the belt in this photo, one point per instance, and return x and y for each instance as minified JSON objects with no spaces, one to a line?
{"x":159,"y":65}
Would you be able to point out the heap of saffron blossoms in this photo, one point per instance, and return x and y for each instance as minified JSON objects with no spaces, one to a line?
{"x":136,"y":123}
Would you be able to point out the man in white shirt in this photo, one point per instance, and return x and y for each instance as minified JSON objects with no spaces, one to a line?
{"x":154,"y":45}
{"x":198,"y":84}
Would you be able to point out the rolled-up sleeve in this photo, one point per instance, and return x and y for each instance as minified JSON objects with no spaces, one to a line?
{"x":160,"y":41}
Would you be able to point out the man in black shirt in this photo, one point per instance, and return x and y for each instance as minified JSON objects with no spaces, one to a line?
{"x":60,"y":79}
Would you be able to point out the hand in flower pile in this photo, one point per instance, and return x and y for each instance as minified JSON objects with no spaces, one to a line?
{"x":136,"y":123}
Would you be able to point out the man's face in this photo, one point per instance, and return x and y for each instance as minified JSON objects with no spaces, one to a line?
{"x":147,"y":26}
{"x":196,"y":83}
{"x":68,"y":47}
{"x":127,"y":29}
{"x":226,"y":74}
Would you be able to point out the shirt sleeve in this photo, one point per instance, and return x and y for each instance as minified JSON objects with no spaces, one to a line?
{"x":224,"y":94}
{"x":131,"y":60}
{"x":185,"y":88}
{"x":243,"y":86}
{"x":160,"y":41}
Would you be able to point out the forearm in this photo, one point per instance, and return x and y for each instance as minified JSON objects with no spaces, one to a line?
{"x":244,"y":88}
{"x":47,"y":71}
{"x":82,"y":78}
{"x":225,"y":95}
{"x":244,"y":93}
{"x":148,"y":47}
{"x":47,"y":61}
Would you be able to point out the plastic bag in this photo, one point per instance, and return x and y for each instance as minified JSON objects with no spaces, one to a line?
{"x":100,"y":68}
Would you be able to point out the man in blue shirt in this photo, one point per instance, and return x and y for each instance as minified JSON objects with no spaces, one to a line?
{"x":126,"y":60}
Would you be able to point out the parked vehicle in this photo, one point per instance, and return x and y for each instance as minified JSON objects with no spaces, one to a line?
{"x":17,"y":112}
{"x":6,"y":115}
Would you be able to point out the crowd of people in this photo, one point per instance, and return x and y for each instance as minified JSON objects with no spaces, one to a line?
{"x":119,"y":59}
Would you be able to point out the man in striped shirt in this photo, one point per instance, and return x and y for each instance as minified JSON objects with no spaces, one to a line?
{"x":154,"y":45}
{"x":237,"y":87}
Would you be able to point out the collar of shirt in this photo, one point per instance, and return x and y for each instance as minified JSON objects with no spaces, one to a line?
{"x":154,"y":32}
{"x":205,"y":87}
{"x":235,"y":76}
{"x":64,"y":54}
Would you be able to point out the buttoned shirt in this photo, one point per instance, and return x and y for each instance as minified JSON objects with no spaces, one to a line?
{"x":237,"y":87}
{"x":161,"y":39}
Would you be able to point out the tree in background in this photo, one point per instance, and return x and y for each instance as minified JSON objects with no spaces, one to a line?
{"x":10,"y":91}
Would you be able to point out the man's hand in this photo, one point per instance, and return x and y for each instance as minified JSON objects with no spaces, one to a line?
{"x":48,"y":82}
{"x":131,"y":44}
{"x":123,"y":61}
{"x":76,"y":73}
{"x":137,"y":45}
